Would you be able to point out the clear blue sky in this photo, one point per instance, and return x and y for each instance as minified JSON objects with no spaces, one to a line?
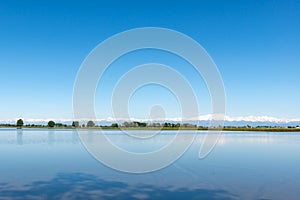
{"x":255,"y":44}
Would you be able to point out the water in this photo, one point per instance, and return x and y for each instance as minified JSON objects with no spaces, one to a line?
{"x":53,"y":164}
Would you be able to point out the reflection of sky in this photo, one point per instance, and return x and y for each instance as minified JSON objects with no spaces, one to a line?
{"x":242,"y":166}
{"x":84,"y":186}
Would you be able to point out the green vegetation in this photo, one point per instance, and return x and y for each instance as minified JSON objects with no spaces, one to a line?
{"x":51,"y":124}
{"x":171,"y":125}
{"x":75,"y":124}
{"x":114,"y":125}
{"x":135,"y":125}
{"x":20,"y":123}
{"x":263,"y":129}
{"x":90,"y":124}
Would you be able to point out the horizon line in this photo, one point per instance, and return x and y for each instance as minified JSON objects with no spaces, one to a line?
{"x":208,"y":117}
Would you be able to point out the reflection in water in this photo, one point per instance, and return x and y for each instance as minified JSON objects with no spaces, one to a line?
{"x":249,"y":138}
{"x":29,"y":137}
{"x":51,"y":137}
{"x":20,"y":136}
{"x":85,"y":186}
{"x":74,"y":137}
{"x":244,"y":165}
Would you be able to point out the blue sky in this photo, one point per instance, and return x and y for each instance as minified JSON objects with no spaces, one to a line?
{"x":255,"y":45}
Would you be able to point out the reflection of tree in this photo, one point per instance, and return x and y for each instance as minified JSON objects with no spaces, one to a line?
{"x":51,"y":137}
{"x":74,"y":137}
{"x":20,"y":136}
{"x":84,"y":186}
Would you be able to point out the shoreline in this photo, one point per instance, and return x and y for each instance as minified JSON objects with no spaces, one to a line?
{"x":241,"y":129}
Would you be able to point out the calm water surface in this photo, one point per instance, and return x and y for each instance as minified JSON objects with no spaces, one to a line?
{"x":53,"y":164}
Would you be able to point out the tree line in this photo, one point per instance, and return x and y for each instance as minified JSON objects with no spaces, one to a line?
{"x":90,"y":123}
{"x":136,"y":124}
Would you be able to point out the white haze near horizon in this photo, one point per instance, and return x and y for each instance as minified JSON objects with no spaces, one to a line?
{"x":267,"y":119}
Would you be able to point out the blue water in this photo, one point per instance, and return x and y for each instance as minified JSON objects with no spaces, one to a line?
{"x":53,"y":164}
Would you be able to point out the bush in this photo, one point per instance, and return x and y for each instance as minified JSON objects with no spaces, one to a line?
{"x":51,"y":124}
{"x":20,"y":123}
{"x":90,"y":124}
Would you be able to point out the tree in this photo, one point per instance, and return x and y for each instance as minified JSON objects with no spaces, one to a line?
{"x":142,"y":124}
{"x":114,"y":125}
{"x":51,"y":124}
{"x":156,"y":125}
{"x":75,"y":124}
{"x":167,"y":124}
{"x":126,"y":124}
{"x":90,"y":124}
{"x":20,"y":123}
